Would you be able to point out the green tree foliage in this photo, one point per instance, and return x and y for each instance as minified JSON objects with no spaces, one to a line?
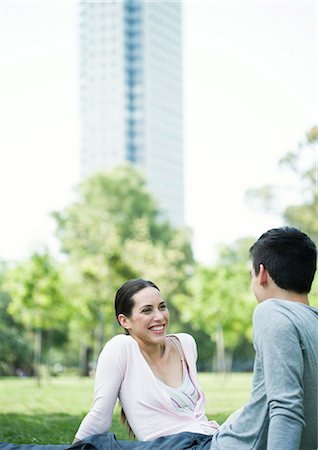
{"x":36,"y":290}
{"x":37,"y":301}
{"x":303,"y":162}
{"x":302,"y":166}
{"x":220,"y":301}
{"x":16,"y":344}
{"x":112,"y":199}
{"x":112,"y":232}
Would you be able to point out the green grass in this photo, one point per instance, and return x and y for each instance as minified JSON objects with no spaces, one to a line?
{"x":51,"y":413}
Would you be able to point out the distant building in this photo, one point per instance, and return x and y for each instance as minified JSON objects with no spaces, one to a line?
{"x":131,"y":94}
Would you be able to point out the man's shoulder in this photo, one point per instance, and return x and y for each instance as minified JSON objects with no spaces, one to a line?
{"x":265,"y":308}
{"x":275,"y":307}
{"x":271,"y":304}
{"x":276,"y":317}
{"x":270,"y":316}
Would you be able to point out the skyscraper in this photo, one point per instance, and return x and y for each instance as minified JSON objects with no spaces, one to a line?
{"x":131,"y":94}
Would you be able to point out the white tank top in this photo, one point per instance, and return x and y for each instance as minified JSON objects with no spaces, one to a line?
{"x":184,"y":397}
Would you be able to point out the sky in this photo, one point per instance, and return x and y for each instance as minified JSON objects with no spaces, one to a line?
{"x":250,"y":95}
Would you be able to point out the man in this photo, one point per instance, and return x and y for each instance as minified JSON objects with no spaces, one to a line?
{"x":282,"y":411}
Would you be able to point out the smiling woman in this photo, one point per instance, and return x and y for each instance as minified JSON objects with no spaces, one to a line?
{"x":148,"y":323}
{"x":153,"y":374}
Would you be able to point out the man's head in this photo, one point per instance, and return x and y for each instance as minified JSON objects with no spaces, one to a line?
{"x":289,"y":256}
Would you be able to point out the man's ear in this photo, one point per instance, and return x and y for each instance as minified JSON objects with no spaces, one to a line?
{"x":262,"y":275}
{"x":124,"y":321}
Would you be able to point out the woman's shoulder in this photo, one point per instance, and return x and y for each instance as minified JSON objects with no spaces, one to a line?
{"x":121,"y":341}
{"x":186,"y":339}
{"x":117,"y":350}
{"x":189,"y":346}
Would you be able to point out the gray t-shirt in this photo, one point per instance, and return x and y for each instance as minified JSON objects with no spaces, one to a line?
{"x":282,"y":411}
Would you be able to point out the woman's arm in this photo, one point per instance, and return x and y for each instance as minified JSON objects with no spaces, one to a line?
{"x":108,"y":379}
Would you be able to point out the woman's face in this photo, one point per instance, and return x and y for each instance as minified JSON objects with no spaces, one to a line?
{"x":150,"y":317}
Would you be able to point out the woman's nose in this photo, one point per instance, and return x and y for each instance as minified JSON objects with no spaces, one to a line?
{"x":158,"y":315}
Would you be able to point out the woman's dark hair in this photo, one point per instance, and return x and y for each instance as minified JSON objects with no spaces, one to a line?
{"x":124,"y":304}
{"x":124,"y":301}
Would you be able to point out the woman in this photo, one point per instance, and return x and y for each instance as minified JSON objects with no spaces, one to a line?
{"x":151,"y":373}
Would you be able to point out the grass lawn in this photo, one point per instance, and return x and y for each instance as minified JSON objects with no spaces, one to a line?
{"x":51,"y":413}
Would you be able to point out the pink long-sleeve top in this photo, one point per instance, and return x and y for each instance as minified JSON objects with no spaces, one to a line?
{"x":122,"y":372}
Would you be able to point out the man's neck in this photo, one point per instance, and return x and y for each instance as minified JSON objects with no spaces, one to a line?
{"x":291,"y":296}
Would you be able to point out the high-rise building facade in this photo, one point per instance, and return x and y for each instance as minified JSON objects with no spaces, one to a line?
{"x":131,"y":94}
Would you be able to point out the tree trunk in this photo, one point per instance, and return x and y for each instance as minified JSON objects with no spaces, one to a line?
{"x":85,"y":357}
{"x":220,"y":352}
{"x":37,"y":355}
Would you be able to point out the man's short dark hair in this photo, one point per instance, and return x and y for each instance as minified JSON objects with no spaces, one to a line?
{"x":289,"y":256}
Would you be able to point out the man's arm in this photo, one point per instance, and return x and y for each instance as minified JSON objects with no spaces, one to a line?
{"x":284,"y":433}
{"x":277,"y":342}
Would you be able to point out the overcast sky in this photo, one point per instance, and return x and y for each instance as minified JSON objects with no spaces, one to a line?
{"x":250,"y":95}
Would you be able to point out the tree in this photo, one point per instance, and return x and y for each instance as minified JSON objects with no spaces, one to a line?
{"x":16,"y":347}
{"x":35,"y":288}
{"x":112,"y":232}
{"x":220,"y":301}
{"x":119,"y":197}
{"x":302,"y":165}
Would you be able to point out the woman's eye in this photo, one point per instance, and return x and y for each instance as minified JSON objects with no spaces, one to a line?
{"x":163,"y":306}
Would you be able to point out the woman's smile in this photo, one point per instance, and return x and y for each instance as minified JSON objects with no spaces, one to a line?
{"x":157,"y":328}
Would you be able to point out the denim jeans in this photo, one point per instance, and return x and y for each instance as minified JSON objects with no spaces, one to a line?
{"x":108,"y":441}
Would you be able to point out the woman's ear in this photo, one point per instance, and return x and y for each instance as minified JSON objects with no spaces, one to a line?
{"x":124,"y":321}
